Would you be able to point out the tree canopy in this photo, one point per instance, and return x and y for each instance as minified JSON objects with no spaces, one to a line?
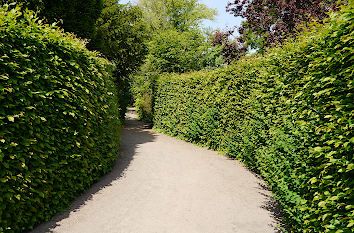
{"x":77,"y":16}
{"x":179,"y":14}
{"x":269,"y":22}
{"x":179,"y":52}
{"x":178,"y":43}
{"x":121,"y":34}
{"x":231,"y":49}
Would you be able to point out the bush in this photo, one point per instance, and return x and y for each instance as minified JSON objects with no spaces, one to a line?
{"x":59,"y":119}
{"x":287,"y":115}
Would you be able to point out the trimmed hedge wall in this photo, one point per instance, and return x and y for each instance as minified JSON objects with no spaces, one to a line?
{"x":288,"y":115}
{"x":59,"y":119}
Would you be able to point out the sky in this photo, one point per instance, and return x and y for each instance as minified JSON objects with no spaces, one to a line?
{"x":222,"y":19}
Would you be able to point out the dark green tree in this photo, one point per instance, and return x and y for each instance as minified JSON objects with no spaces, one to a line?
{"x":31,"y":4}
{"x":77,"y":16}
{"x":121,"y":35}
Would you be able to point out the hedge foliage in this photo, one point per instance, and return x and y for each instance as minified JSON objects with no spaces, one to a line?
{"x":59,"y":119}
{"x":143,"y":89}
{"x":288,"y":115}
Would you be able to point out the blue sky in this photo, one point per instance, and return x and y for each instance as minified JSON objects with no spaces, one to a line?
{"x":223,"y":18}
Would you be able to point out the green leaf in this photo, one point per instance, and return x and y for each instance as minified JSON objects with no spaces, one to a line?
{"x":11,"y":118}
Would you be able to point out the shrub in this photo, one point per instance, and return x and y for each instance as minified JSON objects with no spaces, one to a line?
{"x":59,"y":119}
{"x":287,"y":115}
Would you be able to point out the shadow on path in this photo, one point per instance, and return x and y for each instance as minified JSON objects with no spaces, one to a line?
{"x":274,"y":208}
{"x":133,"y":134}
{"x":181,"y":192}
{"x":270,"y":204}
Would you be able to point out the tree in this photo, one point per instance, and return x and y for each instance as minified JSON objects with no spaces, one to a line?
{"x":77,"y":16}
{"x":182,"y":15}
{"x":174,"y":51}
{"x":121,"y":36}
{"x":178,"y":44}
{"x":269,"y":22}
{"x":231,"y":49}
{"x":31,"y":4}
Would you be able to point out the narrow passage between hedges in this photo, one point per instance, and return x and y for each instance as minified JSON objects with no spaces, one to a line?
{"x":162,"y":184}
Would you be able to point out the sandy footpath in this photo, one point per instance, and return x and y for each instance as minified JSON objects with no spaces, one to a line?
{"x":162,"y":184}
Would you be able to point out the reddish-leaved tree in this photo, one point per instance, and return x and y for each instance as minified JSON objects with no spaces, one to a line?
{"x":231,"y":49}
{"x":269,"y":22}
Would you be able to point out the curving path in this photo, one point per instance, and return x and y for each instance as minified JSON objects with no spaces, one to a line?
{"x":162,"y":184}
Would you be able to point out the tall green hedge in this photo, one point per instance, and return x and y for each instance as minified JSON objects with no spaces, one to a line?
{"x":288,"y":115}
{"x":59,"y":119}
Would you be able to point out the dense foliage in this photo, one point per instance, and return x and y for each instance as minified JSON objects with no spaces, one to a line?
{"x":173,"y":51}
{"x":78,"y":16}
{"x":121,"y":33}
{"x":31,"y":4}
{"x":181,"y":15}
{"x":143,"y":89}
{"x":59,"y":124}
{"x":231,"y":50}
{"x":287,"y":115}
{"x":269,"y":22}
{"x":120,"y":36}
{"x":177,"y":44}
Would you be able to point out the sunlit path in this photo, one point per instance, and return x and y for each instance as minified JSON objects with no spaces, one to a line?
{"x":162,"y":184}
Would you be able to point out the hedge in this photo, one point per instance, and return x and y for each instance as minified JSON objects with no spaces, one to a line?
{"x":288,"y":115}
{"x":59,"y":119}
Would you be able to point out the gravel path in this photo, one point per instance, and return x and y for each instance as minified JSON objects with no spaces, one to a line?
{"x":162,"y":184}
